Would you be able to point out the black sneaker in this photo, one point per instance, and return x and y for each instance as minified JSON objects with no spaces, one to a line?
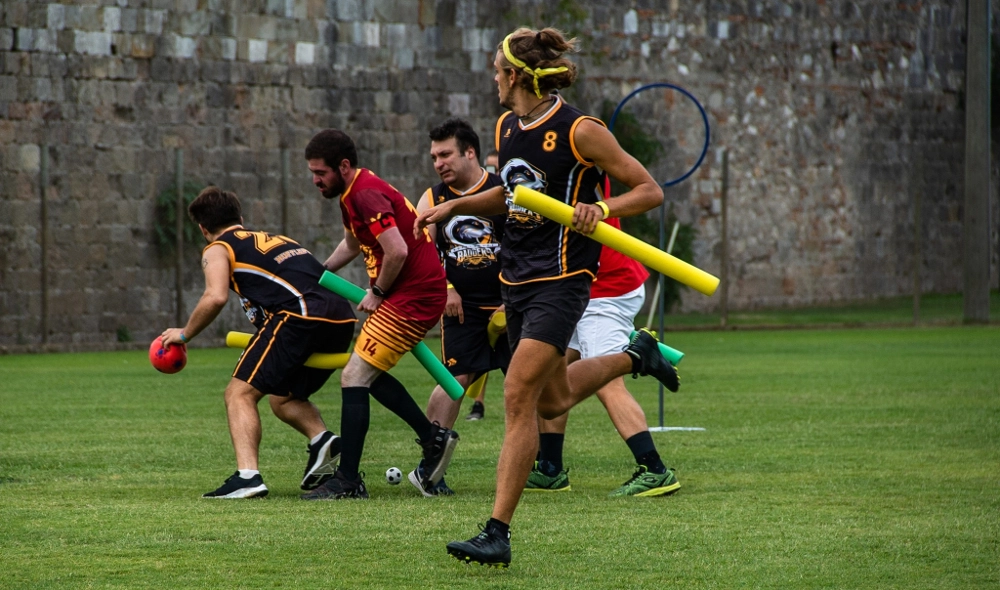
{"x":237,"y":487}
{"x":339,"y":487}
{"x":645,"y":349}
{"x":437,"y":455}
{"x":478,"y":411}
{"x":323,"y":458}
{"x":417,"y":478}
{"x":487,"y":548}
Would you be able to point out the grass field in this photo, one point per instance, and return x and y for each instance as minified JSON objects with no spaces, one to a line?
{"x":935,"y":309}
{"x":831,"y":459}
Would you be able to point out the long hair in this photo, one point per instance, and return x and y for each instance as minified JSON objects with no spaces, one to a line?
{"x":540,"y":50}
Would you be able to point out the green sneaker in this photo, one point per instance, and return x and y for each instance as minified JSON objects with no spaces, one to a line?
{"x":646,"y":483}
{"x":539,"y":482}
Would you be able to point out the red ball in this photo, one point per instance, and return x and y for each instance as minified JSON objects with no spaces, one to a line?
{"x":167,"y":360}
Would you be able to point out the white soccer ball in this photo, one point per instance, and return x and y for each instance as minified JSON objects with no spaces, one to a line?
{"x":393,"y":476}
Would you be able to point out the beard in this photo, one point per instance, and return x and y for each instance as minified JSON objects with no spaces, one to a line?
{"x":506,"y":101}
{"x":333,"y":191}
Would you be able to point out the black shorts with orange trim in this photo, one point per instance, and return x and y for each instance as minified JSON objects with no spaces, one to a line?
{"x":547,"y":311}
{"x":273,"y":362}
{"x":465,"y":347}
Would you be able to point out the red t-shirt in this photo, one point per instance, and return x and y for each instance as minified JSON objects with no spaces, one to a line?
{"x":618,"y":274}
{"x":371,"y":206}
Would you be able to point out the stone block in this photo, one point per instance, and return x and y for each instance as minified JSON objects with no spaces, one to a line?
{"x":8,"y":88}
{"x":91,"y":18}
{"x":112,"y":19}
{"x":153,"y":21}
{"x":305,"y":53}
{"x":55,"y":17}
{"x":194,"y":24}
{"x":278,"y":52}
{"x":252,"y":50}
{"x":92,"y":43}
{"x":24,"y":40}
{"x":130,"y":20}
{"x":28,"y":158}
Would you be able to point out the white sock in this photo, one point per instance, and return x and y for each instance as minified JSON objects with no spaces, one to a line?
{"x":248,"y":473}
{"x":316,"y":438}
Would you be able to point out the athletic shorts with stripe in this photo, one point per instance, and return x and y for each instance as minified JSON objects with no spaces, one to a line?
{"x":465,"y":347}
{"x":273,"y":362}
{"x":391,"y":332}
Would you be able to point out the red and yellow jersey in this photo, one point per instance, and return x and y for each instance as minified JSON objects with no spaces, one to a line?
{"x":371,"y":206}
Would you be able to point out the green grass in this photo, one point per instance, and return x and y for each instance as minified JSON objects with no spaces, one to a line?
{"x":832,"y":459}
{"x":934,"y":309}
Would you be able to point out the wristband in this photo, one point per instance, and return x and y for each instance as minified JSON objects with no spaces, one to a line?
{"x":184,"y":339}
{"x":378,"y":292}
{"x":603,"y":207}
{"x":450,"y":286}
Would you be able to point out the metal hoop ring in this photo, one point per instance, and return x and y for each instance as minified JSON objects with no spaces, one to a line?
{"x":701,"y":109}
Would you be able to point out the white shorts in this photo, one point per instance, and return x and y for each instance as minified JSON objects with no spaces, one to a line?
{"x":607,"y":324}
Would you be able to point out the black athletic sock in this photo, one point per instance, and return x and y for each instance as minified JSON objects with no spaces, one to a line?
{"x":644,"y":450}
{"x":550,"y":450}
{"x":499,"y":527}
{"x":390,"y":393}
{"x":354,"y":416}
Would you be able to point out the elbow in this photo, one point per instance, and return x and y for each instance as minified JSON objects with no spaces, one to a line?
{"x":656,"y":196}
{"x":217,"y":301}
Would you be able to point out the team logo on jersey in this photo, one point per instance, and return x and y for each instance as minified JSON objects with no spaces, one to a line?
{"x":254,"y":312}
{"x":471,"y":241}
{"x":517,"y":171}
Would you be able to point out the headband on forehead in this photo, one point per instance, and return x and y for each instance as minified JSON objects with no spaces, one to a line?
{"x":535,"y":73}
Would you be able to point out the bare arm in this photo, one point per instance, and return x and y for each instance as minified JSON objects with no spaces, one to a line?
{"x":596,"y":143}
{"x":394,"y":251}
{"x":215,"y":263}
{"x":346,"y":251}
{"x":423,"y":205}
{"x":394,"y":256}
{"x":486,"y":203}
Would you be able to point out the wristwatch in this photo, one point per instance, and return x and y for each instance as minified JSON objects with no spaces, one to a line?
{"x":378,"y":292}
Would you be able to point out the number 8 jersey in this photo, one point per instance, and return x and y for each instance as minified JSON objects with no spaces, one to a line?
{"x":274,"y":274}
{"x":543,"y":156}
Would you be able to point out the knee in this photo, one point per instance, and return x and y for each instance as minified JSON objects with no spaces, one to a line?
{"x":239,"y":392}
{"x":550,"y":411}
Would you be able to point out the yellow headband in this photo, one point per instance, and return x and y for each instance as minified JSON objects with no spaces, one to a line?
{"x":534,"y":73}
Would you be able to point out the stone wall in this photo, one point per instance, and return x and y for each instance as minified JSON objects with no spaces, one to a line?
{"x":835,"y":114}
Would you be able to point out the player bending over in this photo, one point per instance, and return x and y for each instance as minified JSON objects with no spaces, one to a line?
{"x":277,"y":282}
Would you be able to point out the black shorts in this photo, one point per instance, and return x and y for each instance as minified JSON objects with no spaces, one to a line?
{"x":273,"y":361}
{"x":466,"y":348}
{"x":547,"y":311}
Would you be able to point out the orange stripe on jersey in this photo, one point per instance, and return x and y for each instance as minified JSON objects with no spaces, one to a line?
{"x":387,"y":338}
{"x":350,"y":186}
{"x":556,"y":278}
{"x":302,"y":317}
{"x":395,"y":332}
{"x":416,"y":328}
{"x":572,"y":141}
{"x":274,"y":336}
{"x":497,"y":132}
{"x":564,"y":247}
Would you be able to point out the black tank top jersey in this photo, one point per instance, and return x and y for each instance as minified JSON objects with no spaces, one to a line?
{"x":273,"y":274}
{"x":543,"y":156}
{"x":470,"y":246}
